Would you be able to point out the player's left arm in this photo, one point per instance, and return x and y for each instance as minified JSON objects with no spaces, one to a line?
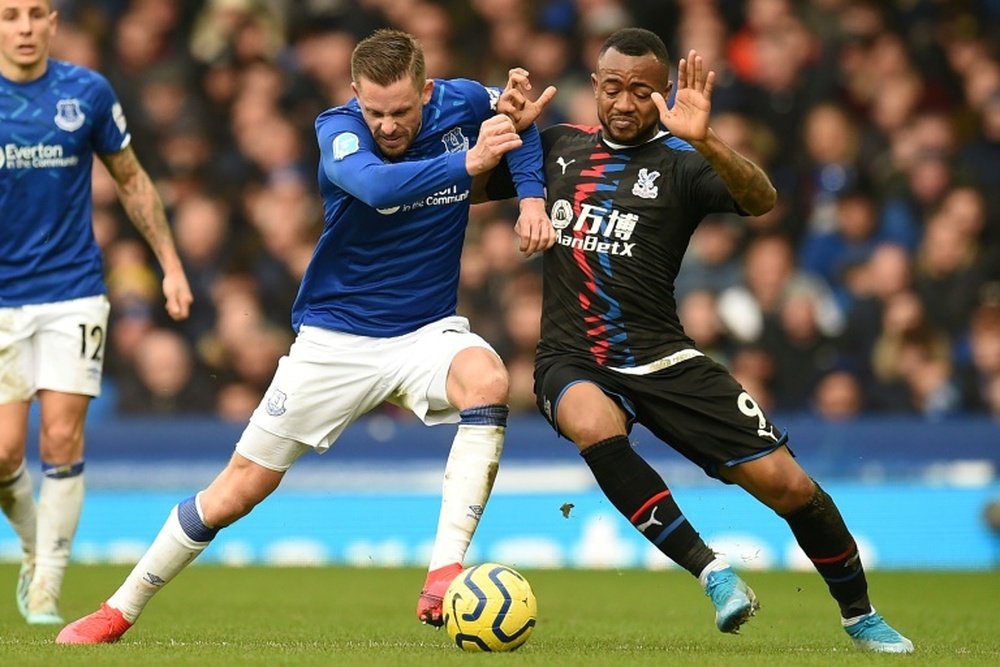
{"x":145,"y":209}
{"x":533,"y":227}
{"x":688,"y":119}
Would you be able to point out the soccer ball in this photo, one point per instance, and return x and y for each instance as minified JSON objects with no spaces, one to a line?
{"x":489,"y":607}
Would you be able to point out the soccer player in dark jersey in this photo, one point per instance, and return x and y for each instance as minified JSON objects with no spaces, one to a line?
{"x":625,"y":198}
{"x":54,"y":117}
{"x":375,"y":314}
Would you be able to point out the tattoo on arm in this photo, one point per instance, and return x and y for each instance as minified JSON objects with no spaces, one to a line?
{"x":746,"y":182}
{"x":141,"y":202}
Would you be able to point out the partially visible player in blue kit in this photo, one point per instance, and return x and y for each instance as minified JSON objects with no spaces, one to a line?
{"x":375,"y":314}
{"x":54,"y":117}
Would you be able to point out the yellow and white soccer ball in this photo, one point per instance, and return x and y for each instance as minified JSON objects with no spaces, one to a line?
{"x":489,"y":607}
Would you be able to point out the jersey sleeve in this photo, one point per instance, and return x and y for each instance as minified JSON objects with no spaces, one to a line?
{"x":110,"y":131}
{"x":524,"y":163}
{"x":501,"y":183}
{"x":349,"y":158}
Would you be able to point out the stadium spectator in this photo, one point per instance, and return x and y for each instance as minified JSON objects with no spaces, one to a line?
{"x":751,"y":310}
{"x":802,"y":352}
{"x":375,"y":315}
{"x":54,"y":118}
{"x":164,"y":382}
{"x":982,"y":370}
{"x":839,"y":397}
{"x":948,"y":273}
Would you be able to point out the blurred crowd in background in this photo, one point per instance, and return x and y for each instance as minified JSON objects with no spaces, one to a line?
{"x":872,"y":288}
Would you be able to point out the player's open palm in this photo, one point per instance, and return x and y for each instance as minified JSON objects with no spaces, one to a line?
{"x":689,"y":117}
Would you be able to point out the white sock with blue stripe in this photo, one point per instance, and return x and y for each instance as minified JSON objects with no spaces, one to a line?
{"x":183,"y":537}
{"x":60,"y":501}
{"x":468,"y":480}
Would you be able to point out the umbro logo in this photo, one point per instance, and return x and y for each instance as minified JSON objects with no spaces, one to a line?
{"x":154,"y":579}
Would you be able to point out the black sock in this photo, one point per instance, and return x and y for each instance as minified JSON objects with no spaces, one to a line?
{"x":823,"y":536}
{"x":641,"y":495}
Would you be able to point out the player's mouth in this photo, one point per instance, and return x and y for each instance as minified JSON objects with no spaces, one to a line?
{"x":391,"y":142}
{"x":622,"y":122}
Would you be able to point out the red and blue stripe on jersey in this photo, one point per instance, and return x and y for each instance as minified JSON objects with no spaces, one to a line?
{"x":603,"y":328}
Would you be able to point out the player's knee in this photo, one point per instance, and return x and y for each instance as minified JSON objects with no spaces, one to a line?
{"x":787,"y":493}
{"x":494,"y":386}
{"x":10,"y":461}
{"x":61,"y":443}
{"x":236,"y":492}
{"x":223,"y":509}
{"x":586,"y":429}
{"x":490,"y":385}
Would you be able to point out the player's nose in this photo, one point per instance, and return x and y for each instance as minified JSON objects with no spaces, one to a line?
{"x":387,"y":126}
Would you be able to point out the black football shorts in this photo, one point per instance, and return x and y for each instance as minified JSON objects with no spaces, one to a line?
{"x":696,"y":407}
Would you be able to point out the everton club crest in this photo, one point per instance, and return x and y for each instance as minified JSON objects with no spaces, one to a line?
{"x":69,"y":115}
{"x":454,"y":141}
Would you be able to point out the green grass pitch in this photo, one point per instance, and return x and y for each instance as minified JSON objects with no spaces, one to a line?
{"x":217,"y":616}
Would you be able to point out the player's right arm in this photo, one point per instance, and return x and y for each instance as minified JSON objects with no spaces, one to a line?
{"x":350,"y":159}
{"x":144,"y":208}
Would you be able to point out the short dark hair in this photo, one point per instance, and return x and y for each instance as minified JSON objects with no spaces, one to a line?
{"x":386,"y":56}
{"x":636,"y":42}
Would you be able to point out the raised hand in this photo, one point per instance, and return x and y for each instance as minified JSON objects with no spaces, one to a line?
{"x":497,"y":136}
{"x":514,"y":102}
{"x":688,"y":118}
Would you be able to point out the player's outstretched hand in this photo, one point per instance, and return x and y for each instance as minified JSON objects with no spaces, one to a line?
{"x":514,"y":102}
{"x":497,"y":136}
{"x":178,"y":294}
{"x":688,"y":118}
{"x":533,"y":227}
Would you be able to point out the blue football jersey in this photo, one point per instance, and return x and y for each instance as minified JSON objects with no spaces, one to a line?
{"x":50,"y":129}
{"x":387,"y":261}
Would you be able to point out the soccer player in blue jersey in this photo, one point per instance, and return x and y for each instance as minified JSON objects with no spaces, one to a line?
{"x":626,"y":197}
{"x":375,"y":314}
{"x":54,"y":117}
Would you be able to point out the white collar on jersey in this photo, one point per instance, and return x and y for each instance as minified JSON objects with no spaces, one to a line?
{"x":611,"y":144}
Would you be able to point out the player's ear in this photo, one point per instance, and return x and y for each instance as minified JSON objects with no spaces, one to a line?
{"x":428,"y":89}
{"x":594,"y":83}
{"x":354,"y":89}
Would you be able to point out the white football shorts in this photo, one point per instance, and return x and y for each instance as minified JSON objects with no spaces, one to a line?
{"x":329,"y":379}
{"x":58,"y":346}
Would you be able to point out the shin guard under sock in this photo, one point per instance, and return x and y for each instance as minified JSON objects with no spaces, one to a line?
{"x":821,"y":532}
{"x":641,"y":495}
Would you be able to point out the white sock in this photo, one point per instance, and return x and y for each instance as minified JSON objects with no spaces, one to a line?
{"x":468,"y":479}
{"x":848,"y":622}
{"x":17,"y":500}
{"x":60,"y":502}
{"x":171,"y":552}
{"x":718,"y":563}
